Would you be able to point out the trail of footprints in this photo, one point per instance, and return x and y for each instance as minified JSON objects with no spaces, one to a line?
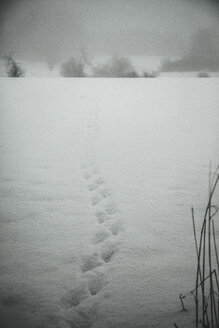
{"x":104,"y":242}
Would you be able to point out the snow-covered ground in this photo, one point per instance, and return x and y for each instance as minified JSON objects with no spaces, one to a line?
{"x":97,"y":179}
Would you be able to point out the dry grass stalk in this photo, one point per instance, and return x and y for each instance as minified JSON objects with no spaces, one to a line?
{"x":206,"y":291}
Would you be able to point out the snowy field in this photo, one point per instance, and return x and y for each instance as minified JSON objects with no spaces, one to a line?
{"x":97,"y":179}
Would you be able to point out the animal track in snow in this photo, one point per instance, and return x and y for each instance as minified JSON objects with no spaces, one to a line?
{"x":110,"y":207}
{"x":90,"y":262}
{"x":88,"y":316}
{"x":115,"y":227}
{"x":83,"y":316}
{"x":101,"y":236}
{"x":104,"y":210}
{"x":87,"y":175}
{"x":95,"y":170}
{"x":76,"y":295}
{"x":101,"y":216}
{"x":92,"y":186}
{"x":104,"y":192}
{"x":97,"y":184}
{"x":96,"y":199}
{"x":96,"y":282}
{"x":108,"y":251}
{"x":99,"y":181}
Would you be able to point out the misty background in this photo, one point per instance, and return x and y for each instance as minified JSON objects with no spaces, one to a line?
{"x":180,"y":34}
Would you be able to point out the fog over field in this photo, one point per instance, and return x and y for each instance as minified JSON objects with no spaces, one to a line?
{"x":52,"y":31}
{"x":109,"y":176}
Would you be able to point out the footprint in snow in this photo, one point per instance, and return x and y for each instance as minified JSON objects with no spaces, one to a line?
{"x":76,"y":295}
{"x":90,"y":262}
{"x":115,"y":227}
{"x":101,"y":216}
{"x":88,"y":164}
{"x":96,"y":183}
{"x":96,"y":281}
{"x":110,"y":208}
{"x":83,"y":316}
{"x":87,"y":175}
{"x":109,"y":249}
{"x":99,"y":181}
{"x":90,"y":167}
{"x":101,"y":236}
{"x":95,"y":170}
{"x":92,"y":186}
{"x":105,"y":192}
{"x":96,"y":199}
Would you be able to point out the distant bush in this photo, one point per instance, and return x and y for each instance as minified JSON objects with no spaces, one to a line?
{"x":115,"y":67}
{"x":149,"y":75}
{"x":12,"y":67}
{"x":74,"y":67}
{"x":203,"y":74}
{"x":191,"y":63}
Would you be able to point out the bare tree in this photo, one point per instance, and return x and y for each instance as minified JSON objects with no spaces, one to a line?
{"x":12,"y":67}
{"x":74,"y":67}
{"x":116,"y":67}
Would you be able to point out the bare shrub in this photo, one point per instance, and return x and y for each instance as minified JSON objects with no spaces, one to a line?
{"x":203,"y":74}
{"x":115,"y":67}
{"x":149,"y":74}
{"x":13,"y":69}
{"x":74,"y":67}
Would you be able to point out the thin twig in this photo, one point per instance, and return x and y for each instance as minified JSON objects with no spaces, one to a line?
{"x":181,"y":300}
{"x":215,"y":247}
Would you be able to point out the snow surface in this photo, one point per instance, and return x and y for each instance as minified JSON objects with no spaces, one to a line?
{"x":97,"y":179}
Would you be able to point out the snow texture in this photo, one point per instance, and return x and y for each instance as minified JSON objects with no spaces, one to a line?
{"x":97,"y":180}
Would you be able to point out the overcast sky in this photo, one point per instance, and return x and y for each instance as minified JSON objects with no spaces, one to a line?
{"x":35,"y":29}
